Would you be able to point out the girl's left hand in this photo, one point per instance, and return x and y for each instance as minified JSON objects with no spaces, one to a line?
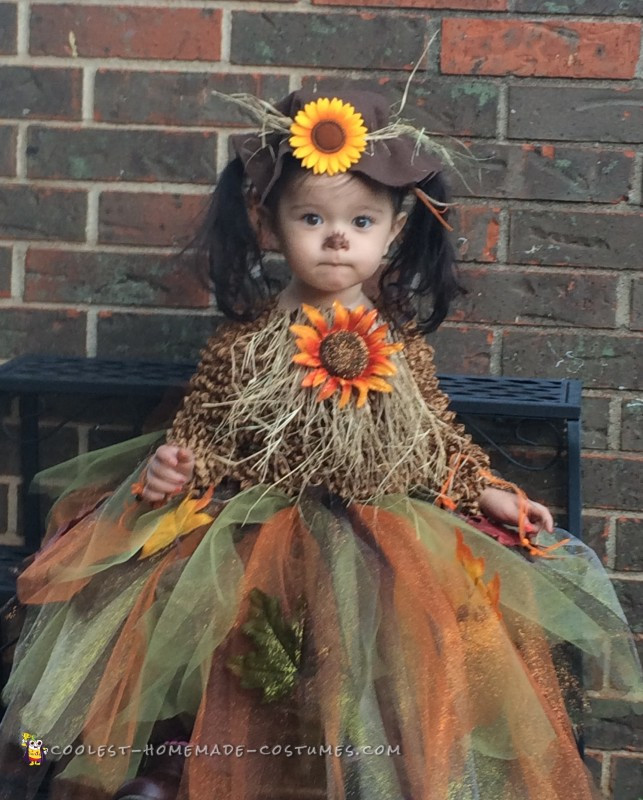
{"x":502,"y":507}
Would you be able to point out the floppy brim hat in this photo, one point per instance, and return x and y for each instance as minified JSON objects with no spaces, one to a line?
{"x":393,"y":160}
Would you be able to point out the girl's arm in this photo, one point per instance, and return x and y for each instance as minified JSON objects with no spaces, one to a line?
{"x":469,"y":488}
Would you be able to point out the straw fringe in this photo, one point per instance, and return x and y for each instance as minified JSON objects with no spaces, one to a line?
{"x":249,"y":418}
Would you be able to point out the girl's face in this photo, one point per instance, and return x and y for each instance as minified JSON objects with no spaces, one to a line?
{"x":334,"y":232}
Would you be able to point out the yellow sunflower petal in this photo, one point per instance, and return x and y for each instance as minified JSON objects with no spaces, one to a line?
{"x":305,"y":145}
{"x":301,"y":126}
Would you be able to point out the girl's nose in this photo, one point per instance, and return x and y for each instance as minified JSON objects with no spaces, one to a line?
{"x":336,"y":241}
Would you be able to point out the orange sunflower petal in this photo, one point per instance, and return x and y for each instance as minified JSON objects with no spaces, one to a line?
{"x":385,"y":368}
{"x":378,"y":384}
{"x":347,"y":390}
{"x":367,"y":320}
{"x":389,"y":349}
{"x":356,"y":315}
{"x":342,"y":316}
{"x":328,"y":389}
{"x":316,"y":317}
{"x":379,"y":334}
{"x":306,"y":360}
{"x":315,"y":377}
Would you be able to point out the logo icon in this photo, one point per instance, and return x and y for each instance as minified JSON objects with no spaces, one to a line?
{"x":34,"y":752}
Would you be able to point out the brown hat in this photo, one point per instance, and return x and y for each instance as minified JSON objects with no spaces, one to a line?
{"x":389,"y":154}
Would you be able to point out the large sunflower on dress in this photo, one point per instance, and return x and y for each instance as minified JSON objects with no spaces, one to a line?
{"x":346,"y":355}
{"x":328,"y":136}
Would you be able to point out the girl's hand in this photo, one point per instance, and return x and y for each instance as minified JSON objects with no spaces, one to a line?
{"x":169,"y":469}
{"x":502,"y":506}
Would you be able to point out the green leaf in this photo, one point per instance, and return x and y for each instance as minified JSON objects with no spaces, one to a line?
{"x":273,"y":664}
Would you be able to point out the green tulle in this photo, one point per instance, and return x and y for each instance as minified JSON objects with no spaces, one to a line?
{"x":65,"y":646}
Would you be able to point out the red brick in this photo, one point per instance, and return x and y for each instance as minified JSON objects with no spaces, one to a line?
{"x":7,"y":150}
{"x":454,"y":5}
{"x":8,"y":28}
{"x":595,"y":422}
{"x":636,"y":321}
{"x":27,"y":330}
{"x":627,"y":777}
{"x":145,"y":218}
{"x":100,"y":154}
{"x":546,"y":172}
{"x":537,"y":298}
{"x":624,"y":8}
{"x":478,"y":230}
{"x":189,"y":34}
{"x":632,"y":425}
{"x":40,"y":92}
{"x":595,"y":534}
{"x":616,"y":724}
{"x":611,"y":481}
{"x":581,"y":238}
{"x":629,"y":544}
{"x":552,"y":48}
{"x":171,"y":337}
{"x":456,"y":106}
{"x":600,"y":360}
{"x":141,"y":279}
{"x":179,"y":98}
{"x":28,"y":212}
{"x":340,"y":41}
{"x":5,"y":271}
{"x":462,"y":350}
{"x":578,"y":113}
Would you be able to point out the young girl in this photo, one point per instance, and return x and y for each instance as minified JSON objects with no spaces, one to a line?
{"x":294,"y":584}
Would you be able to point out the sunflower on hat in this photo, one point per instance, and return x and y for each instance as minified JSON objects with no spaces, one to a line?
{"x":328,"y":136}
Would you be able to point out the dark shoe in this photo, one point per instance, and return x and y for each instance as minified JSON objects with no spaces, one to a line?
{"x":159,"y":780}
{"x":147,"y":787}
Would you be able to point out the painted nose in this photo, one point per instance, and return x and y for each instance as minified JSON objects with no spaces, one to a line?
{"x":336,"y":241}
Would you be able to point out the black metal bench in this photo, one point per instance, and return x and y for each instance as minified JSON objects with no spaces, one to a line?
{"x":31,"y":376}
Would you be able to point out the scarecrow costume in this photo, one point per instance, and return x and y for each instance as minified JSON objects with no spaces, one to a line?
{"x":318,"y":599}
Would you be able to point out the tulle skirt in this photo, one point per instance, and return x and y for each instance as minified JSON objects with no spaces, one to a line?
{"x":310,"y":649}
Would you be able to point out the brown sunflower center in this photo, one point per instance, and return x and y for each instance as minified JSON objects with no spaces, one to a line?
{"x":344,"y":354}
{"x":328,"y":136}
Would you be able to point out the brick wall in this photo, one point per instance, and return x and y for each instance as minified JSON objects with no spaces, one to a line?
{"x":110,"y":137}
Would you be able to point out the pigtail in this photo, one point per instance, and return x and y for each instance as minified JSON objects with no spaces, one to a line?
{"x":229,"y":244}
{"x":420,"y":279}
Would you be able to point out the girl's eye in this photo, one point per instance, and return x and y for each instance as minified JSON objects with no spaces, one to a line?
{"x":312,"y":219}
{"x":363,"y":221}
